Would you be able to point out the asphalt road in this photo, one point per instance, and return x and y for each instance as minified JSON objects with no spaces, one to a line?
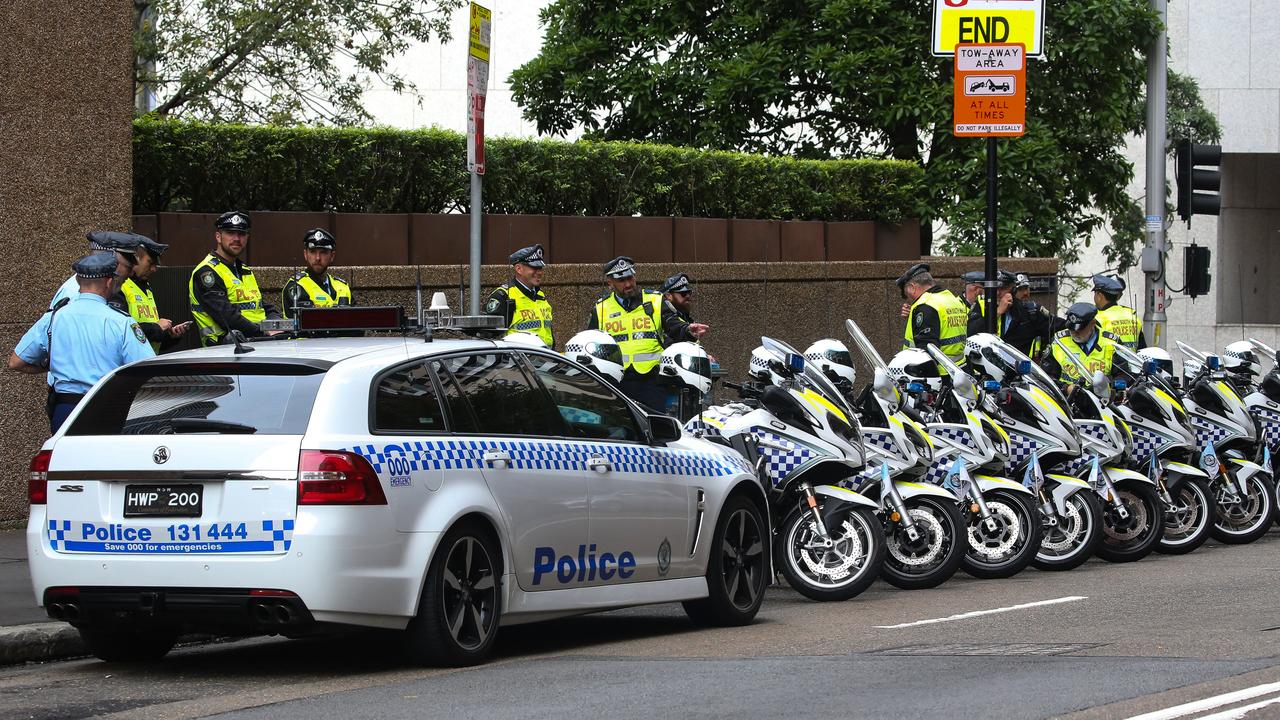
{"x":1101,"y":641}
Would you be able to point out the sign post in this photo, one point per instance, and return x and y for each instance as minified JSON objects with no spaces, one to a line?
{"x":481,"y":32}
{"x":990,"y":100}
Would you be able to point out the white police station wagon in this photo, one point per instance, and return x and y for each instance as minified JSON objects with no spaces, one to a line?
{"x":444,"y":488}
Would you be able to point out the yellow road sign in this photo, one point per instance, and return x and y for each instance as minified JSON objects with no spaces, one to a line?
{"x":481,"y":30}
{"x":965,"y":22}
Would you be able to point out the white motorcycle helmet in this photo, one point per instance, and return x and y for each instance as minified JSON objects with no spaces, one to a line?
{"x":527,"y":339}
{"x":1240,"y":359}
{"x":598,"y":351}
{"x":766,"y":366}
{"x":832,"y":359}
{"x":688,"y":363}
{"x":915,"y":365}
{"x":1161,"y":357}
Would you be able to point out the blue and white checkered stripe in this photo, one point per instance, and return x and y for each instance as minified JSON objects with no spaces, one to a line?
{"x":549,"y":455}
{"x":964,"y":438}
{"x":781,"y":463}
{"x":1270,"y":422}
{"x":1095,"y":431}
{"x":1020,"y":449}
{"x":281,"y":533}
{"x":938,"y":471}
{"x":1208,"y":432}
{"x":1145,"y":442}
{"x":58,"y":533}
{"x":879,"y":439}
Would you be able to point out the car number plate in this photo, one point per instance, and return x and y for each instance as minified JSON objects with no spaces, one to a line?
{"x":163,"y":500}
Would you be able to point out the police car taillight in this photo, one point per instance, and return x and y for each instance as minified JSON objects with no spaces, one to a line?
{"x":38,"y":484}
{"x":327,"y":477}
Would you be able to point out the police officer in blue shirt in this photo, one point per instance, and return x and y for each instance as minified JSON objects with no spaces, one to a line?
{"x":124,"y":244}
{"x":81,"y":341}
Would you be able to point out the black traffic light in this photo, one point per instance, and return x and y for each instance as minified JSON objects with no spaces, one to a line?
{"x":1196,"y":270}
{"x":1198,"y":179}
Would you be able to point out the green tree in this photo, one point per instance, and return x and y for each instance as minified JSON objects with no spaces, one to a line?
{"x":276,"y":61}
{"x":839,"y":78}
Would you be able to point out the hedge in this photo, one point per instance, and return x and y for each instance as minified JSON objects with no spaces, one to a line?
{"x":203,"y":167}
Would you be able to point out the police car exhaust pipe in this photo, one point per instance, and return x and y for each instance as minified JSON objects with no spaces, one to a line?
{"x":284,"y":615}
{"x":55,"y":611}
{"x":262,"y":614}
{"x":70,"y":611}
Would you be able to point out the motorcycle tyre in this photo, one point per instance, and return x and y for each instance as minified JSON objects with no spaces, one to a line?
{"x":955,"y":554}
{"x":1201,"y":489}
{"x":1142,"y":546}
{"x":1094,"y":507}
{"x":1269,"y":495}
{"x":871,"y":571}
{"x":1017,"y":563}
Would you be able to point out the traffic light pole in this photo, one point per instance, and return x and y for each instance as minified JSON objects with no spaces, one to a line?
{"x":1153,"y":316}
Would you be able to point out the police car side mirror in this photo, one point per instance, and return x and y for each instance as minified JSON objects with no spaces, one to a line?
{"x":664,"y":429}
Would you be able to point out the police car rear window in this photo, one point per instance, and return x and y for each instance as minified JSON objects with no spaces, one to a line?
{"x":216,"y":399}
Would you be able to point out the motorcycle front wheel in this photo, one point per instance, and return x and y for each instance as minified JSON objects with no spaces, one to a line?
{"x":1009,"y":547}
{"x":1248,"y":517}
{"x":1189,"y":519}
{"x":1134,"y":536}
{"x":935,"y":555}
{"x":1071,"y":538}
{"x":837,"y":567}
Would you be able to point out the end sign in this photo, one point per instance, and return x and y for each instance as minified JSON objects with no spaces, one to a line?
{"x":990,"y":97}
{"x":968,"y":22}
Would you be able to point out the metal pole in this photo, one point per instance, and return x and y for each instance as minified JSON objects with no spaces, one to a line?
{"x":1153,"y":317}
{"x":991,"y":284}
{"x":476,"y":198}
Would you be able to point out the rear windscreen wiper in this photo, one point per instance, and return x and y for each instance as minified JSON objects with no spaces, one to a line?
{"x":186,"y":424}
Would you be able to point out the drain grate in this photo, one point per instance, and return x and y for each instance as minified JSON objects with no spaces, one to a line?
{"x":989,"y":649}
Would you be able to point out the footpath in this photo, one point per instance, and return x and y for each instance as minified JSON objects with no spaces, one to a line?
{"x":26,"y":633}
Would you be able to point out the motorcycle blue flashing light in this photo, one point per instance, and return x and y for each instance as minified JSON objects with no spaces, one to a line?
{"x":1120,"y":385}
{"x":1024,"y":367}
{"x":795,"y":362}
{"x":1214,"y":362}
{"x":1151,"y":367}
{"x":991,"y":385}
{"x":915,"y":387}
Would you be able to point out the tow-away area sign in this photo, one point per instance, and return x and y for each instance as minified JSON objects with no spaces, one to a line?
{"x":990,"y":91}
{"x":962,"y":22}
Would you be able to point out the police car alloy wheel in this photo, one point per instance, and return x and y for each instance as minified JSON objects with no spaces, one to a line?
{"x":737,"y":575}
{"x":457,"y":619}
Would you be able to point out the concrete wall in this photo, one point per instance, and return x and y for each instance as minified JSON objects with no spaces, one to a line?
{"x":66,"y":90}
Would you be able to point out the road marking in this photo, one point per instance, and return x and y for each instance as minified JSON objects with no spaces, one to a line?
{"x":979,"y":613}
{"x":1236,"y":713}
{"x":1209,"y":703}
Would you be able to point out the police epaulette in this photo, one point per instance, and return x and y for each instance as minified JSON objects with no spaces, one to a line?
{"x":299,"y":275}
{"x":119,"y":310}
{"x":213,"y":259}
{"x":341,"y":280}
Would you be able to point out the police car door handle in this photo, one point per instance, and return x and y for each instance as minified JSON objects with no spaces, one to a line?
{"x":492,"y":458}
{"x":599,"y":463}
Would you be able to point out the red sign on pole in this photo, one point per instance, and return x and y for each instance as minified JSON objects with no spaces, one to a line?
{"x":990,"y":96}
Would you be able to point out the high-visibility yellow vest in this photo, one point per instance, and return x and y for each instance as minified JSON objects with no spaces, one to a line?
{"x":317,"y":295}
{"x":1100,"y":359}
{"x":638,"y":332}
{"x":954,"y":317}
{"x":1120,"y":323}
{"x":141,"y":304}
{"x":531,"y":316}
{"x":242,"y":292}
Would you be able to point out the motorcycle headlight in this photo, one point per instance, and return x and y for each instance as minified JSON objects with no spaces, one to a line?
{"x":919,"y":441}
{"x":842,"y":428}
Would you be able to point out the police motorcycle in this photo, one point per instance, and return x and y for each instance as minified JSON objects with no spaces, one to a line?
{"x":1163,"y":444}
{"x":1261,"y":394}
{"x":927,"y":532}
{"x":970,"y":449}
{"x":1133,"y":516}
{"x":1027,"y":403}
{"x":1226,"y":437}
{"x":803,"y":438}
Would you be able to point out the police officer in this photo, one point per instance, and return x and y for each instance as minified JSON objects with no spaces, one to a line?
{"x":82,"y":340}
{"x":223,"y":292}
{"x":1083,"y":340}
{"x":935,"y":316}
{"x":316,"y":286}
{"x":125,"y":246}
{"x":1116,"y":321}
{"x":137,"y":300}
{"x":643,"y":324}
{"x":972,"y":287}
{"x":678,"y":291}
{"x":1021,"y":287}
{"x":521,"y":303}
{"x":1004,"y":301}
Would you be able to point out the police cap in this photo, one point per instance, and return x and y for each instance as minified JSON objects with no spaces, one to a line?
{"x":319,"y":239}
{"x":1108,"y":285}
{"x":531,"y":256}
{"x":1080,"y":314}
{"x":125,"y":242}
{"x":910,"y":274}
{"x":233,"y":220}
{"x":678,"y":283}
{"x":620,"y":267}
{"x":1021,"y":281}
{"x":1006,"y":278}
{"x":973,"y":277}
{"x":95,"y":265}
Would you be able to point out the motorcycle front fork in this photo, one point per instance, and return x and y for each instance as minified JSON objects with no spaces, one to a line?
{"x":984,"y":514}
{"x":899,"y":507}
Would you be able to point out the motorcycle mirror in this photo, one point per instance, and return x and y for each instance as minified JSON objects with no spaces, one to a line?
{"x":1101,"y":387}
{"x":961,"y":381}
{"x":885,"y":389}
